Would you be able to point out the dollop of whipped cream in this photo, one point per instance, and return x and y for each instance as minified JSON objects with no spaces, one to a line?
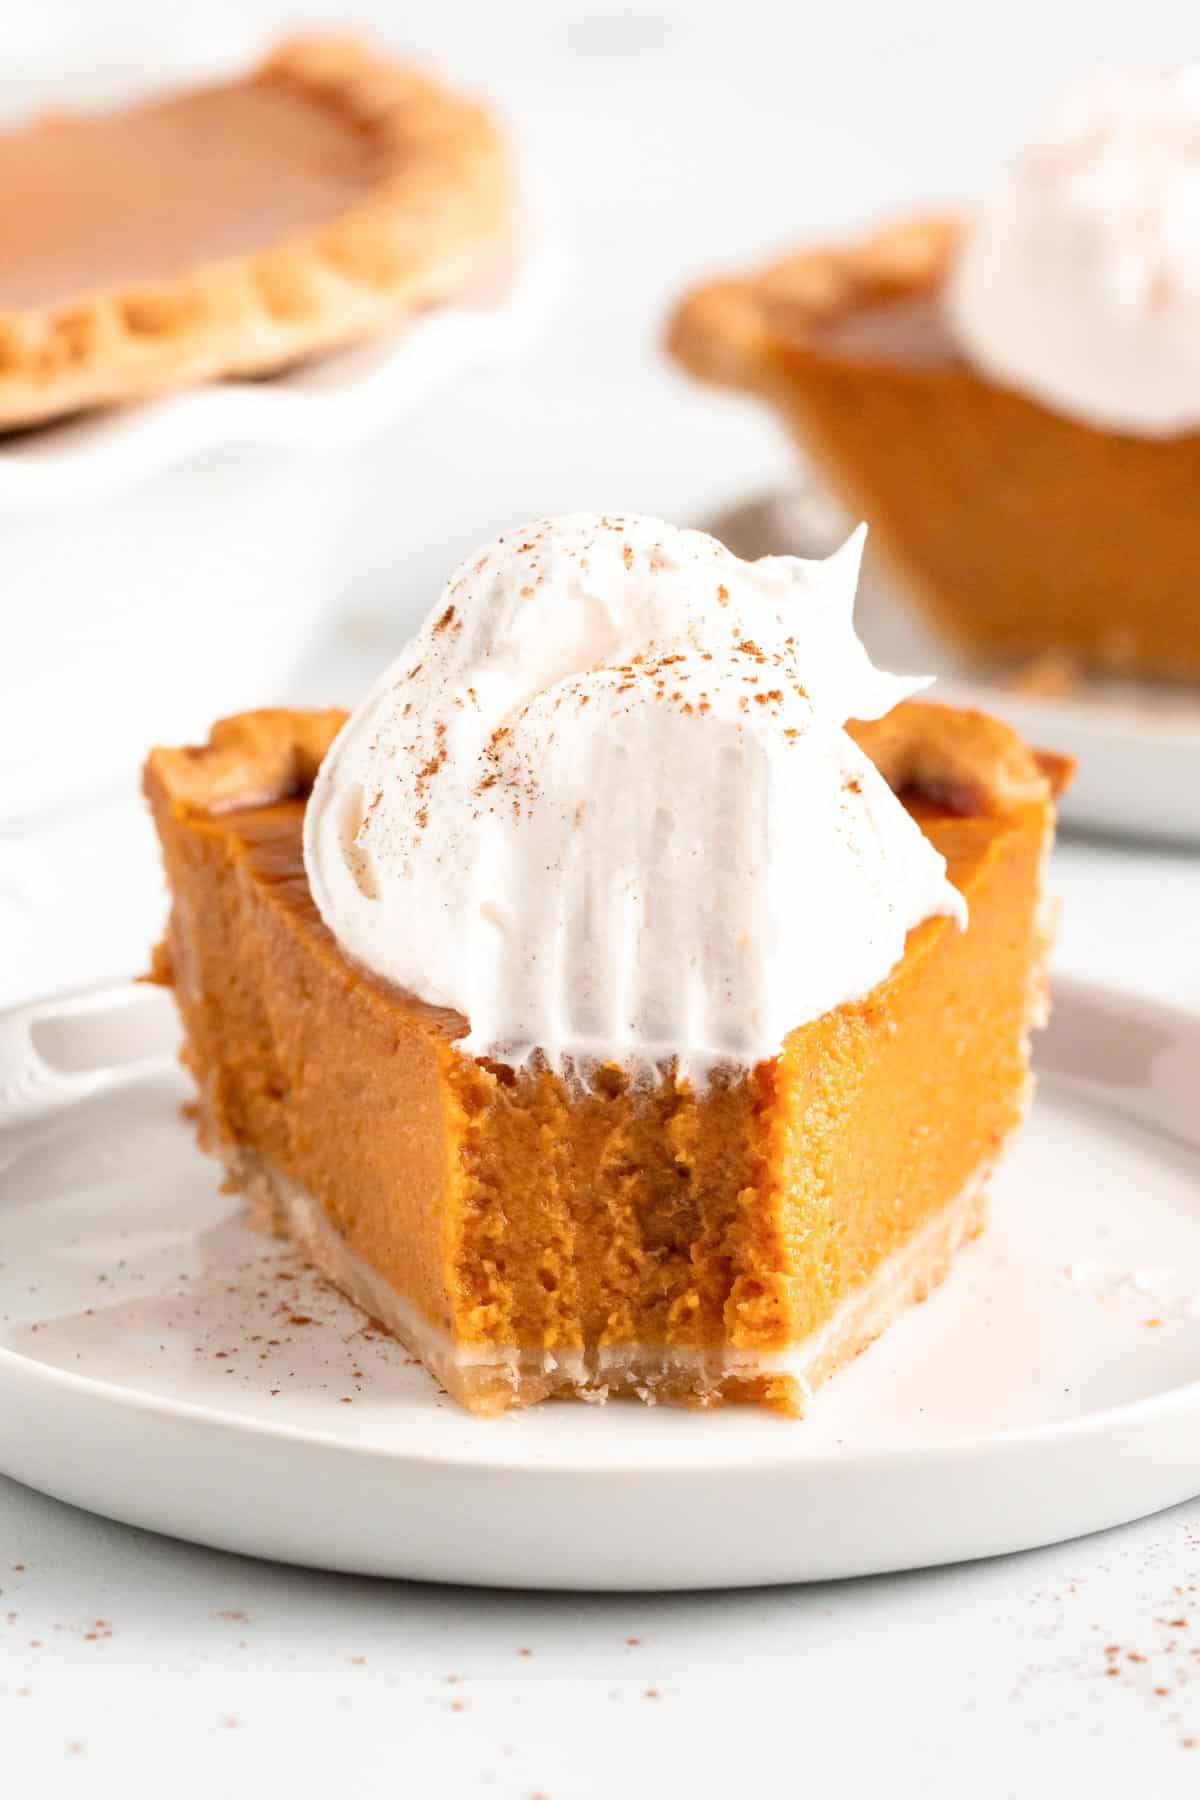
{"x":1079,"y":281}
{"x":604,"y":806}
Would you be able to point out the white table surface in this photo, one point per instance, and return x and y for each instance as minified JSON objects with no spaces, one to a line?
{"x":678,"y":137}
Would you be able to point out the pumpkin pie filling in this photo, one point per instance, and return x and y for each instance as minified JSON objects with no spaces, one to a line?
{"x":118,"y":199}
{"x":528,"y":1235}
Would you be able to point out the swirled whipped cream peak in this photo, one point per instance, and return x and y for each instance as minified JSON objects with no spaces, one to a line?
{"x":1079,"y":281}
{"x":604,"y":805}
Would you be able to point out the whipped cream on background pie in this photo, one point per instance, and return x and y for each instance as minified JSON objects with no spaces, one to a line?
{"x":1078,"y":281}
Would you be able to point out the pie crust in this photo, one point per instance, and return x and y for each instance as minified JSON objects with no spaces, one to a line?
{"x":729,"y":330}
{"x":237,"y":229}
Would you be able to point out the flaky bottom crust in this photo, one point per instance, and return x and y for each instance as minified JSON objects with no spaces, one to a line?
{"x":490,"y":1378}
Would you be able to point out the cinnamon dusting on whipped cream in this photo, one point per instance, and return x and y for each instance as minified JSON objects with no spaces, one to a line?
{"x":605,"y":806}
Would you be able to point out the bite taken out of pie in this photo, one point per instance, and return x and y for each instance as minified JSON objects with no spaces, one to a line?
{"x":1011,"y":397}
{"x":591,"y":1007}
{"x":239,"y":228}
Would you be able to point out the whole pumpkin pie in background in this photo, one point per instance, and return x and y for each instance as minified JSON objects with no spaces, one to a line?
{"x":1011,"y":398}
{"x":594,"y":1008}
{"x":238,"y":228}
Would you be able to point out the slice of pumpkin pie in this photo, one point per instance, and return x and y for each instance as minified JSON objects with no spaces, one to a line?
{"x":595,"y":1006}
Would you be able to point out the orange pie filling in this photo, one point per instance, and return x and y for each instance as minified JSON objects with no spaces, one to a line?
{"x":530,"y":1237}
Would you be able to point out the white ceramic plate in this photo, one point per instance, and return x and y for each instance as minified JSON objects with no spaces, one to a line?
{"x":163,"y":1365}
{"x":1137,"y":743}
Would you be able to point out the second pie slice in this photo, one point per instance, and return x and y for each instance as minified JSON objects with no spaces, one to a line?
{"x":1011,"y":397}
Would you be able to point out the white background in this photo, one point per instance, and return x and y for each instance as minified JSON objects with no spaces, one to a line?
{"x":674,"y":138}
